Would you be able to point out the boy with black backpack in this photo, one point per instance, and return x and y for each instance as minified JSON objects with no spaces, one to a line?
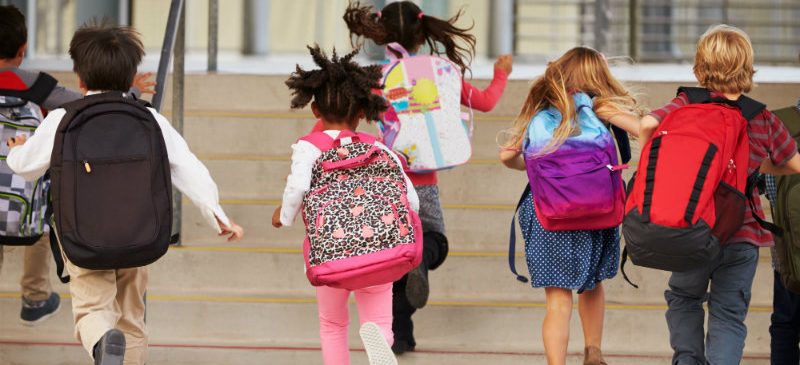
{"x":725,"y":244}
{"x":25,"y":96}
{"x":113,"y":161}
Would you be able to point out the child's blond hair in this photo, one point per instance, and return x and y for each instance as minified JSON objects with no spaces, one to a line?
{"x":579,"y":69}
{"x":724,"y":60}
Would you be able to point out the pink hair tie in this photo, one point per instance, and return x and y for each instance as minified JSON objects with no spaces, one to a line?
{"x":421,"y":14}
{"x":379,"y":14}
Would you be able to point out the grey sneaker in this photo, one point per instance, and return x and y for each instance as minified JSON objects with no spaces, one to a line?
{"x":110,"y":350}
{"x":36,"y":312}
{"x":417,"y":288}
{"x":378,"y":350}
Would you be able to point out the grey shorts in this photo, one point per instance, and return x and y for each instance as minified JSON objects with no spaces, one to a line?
{"x":430,"y":209}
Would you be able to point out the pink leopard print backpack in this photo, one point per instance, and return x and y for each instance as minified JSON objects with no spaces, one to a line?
{"x":360,"y":229}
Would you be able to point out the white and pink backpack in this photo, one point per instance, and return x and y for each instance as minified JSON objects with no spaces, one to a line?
{"x":360,"y":228}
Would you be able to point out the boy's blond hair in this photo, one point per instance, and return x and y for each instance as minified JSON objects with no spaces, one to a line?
{"x":724,"y":60}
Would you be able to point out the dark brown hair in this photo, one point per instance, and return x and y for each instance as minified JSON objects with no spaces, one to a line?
{"x":105,"y":57}
{"x":13,"y":32}
{"x":341,"y":88}
{"x":405,"y":23}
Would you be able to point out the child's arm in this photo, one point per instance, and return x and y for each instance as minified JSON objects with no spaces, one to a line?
{"x":789,"y":168}
{"x":304,"y":155}
{"x":192,"y":178}
{"x":647,"y":127}
{"x":61,"y":95}
{"x":512,"y":158}
{"x":627,"y":121}
{"x":31,"y":158}
{"x":485,"y":100}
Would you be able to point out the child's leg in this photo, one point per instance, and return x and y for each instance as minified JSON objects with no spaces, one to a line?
{"x":131,"y":286}
{"x":375,"y":305}
{"x":94,"y":305}
{"x":35,"y":281}
{"x":555,"y":328}
{"x":333,"y":321}
{"x":592,"y":309}
{"x":686,"y":316}
{"x":728,"y":303}
{"x":785,"y":325}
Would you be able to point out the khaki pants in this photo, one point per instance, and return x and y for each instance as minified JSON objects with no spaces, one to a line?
{"x":35,"y":281}
{"x":107,"y":299}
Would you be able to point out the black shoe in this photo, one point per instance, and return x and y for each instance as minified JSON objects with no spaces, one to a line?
{"x":400,"y":347}
{"x":36,"y":312}
{"x":417,"y":288}
{"x":110,"y":350}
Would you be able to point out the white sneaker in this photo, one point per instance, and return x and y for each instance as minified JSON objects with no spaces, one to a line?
{"x":378,"y":350}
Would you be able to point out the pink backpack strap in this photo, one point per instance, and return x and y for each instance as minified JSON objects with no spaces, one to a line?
{"x":393,"y":47}
{"x":320,"y":140}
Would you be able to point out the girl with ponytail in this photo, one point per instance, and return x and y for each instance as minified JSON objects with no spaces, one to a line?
{"x":405,"y":23}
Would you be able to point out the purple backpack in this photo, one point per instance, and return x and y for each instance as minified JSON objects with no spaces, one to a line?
{"x":360,"y":229}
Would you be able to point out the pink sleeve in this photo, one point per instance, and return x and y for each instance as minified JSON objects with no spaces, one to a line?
{"x":484,"y":100}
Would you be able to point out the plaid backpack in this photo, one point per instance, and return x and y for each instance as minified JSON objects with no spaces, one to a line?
{"x":22,"y":203}
{"x":360,"y":229}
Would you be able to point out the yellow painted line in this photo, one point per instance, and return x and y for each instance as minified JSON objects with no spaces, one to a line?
{"x":445,"y":206}
{"x":308,"y":116}
{"x":474,"y":304}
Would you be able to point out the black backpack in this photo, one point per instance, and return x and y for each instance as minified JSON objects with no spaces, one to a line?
{"x":111,"y":188}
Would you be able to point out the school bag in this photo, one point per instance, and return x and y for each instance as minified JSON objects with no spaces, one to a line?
{"x":360,"y":229}
{"x":577,"y":186}
{"x":22,"y":203}
{"x":786,"y":209}
{"x":111,"y":186}
{"x":424,"y":121}
{"x":689,"y":193}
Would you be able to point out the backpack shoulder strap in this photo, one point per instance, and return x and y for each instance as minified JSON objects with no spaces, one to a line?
{"x":750,"y":108}
{"x":696,"y":95}
{"x":512,"y":237}
{"x":320,"y":140}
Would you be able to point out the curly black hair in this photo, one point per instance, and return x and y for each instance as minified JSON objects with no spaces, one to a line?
{"x":341,"y":88}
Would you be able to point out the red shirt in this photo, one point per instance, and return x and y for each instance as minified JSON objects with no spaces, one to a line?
{"x":768,"y":139}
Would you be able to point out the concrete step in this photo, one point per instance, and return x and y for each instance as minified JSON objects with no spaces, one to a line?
{"x":241,"y":272}
{"x":469,"y":228}
{"x":277,"y":322}
{"x":165,"y":354}
{"x":481,"y":184}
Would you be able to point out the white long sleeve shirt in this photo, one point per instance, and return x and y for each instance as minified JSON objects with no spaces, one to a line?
{"x":304,"y":156}
{"x":189,"y":175}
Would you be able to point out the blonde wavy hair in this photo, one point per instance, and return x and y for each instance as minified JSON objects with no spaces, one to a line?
{"x":579,"y":69}
{"x":724,"y":60}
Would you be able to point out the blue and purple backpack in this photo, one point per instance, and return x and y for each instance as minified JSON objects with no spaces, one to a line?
{"x":577,"y":186}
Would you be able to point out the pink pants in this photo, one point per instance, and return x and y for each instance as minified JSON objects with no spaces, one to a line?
{"x":374,"y":305}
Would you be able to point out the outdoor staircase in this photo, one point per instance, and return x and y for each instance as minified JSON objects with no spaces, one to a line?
{"x":213,"y":302}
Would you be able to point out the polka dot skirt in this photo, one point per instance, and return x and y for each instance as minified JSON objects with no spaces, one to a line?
{"x":567,"y":259}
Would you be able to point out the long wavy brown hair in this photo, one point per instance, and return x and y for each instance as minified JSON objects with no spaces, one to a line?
{"x":579,"y":69}
{"x":405,"y":23}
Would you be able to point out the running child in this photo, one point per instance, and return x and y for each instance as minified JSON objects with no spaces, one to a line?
{"x":403,"y":22}
{"x":341,"y":95}
{"x":563,"y":261}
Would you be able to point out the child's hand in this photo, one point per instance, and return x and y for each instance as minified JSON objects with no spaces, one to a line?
{"x":141,"y":82}
{"x":234,"y":230}
{"x":16,"y":141}
{"x":505,"y":63}
{"x":276,"y":218}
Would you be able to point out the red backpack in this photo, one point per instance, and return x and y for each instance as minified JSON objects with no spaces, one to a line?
{"x":688,"y":195}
